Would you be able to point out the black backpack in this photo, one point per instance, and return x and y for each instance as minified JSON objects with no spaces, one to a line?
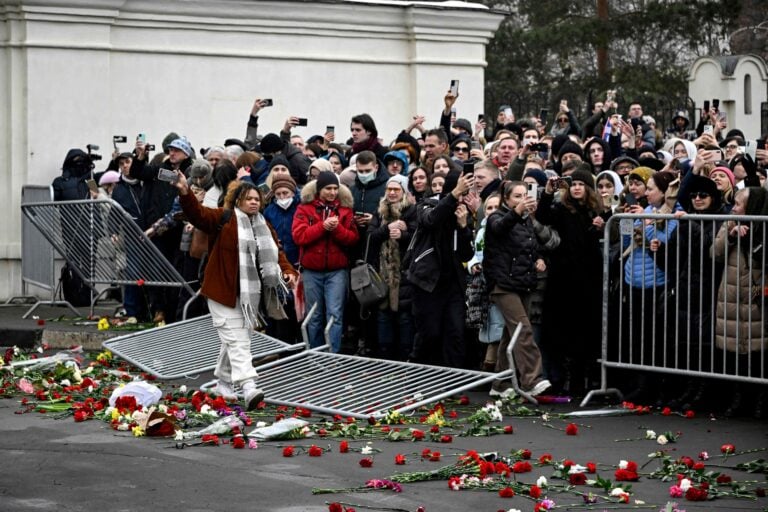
{"x":73,"y":288}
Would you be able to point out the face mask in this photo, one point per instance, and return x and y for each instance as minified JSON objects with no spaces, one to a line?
{"x":284,"y":203}
{"x":366,"y":178}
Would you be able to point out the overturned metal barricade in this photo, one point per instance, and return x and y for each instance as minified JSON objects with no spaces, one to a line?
{"x":697,"y":317}
{"x":103,"y":244}
{"x":183,"y":349}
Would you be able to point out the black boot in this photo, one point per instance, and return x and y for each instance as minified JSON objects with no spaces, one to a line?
{"x":734,"y":408}
{"x":698,"y":398}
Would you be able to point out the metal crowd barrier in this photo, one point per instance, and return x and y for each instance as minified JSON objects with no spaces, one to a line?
{"x":38,"y":258}
{"x":690,"y":321}
{"x":103,"y":244}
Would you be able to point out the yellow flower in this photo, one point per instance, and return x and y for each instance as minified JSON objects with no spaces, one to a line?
{"x":103,"y":324}
{"x":115,"y":414}
{"x":137,"y":431}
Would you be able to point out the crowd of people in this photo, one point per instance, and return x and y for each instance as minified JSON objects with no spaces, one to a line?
{"x":477,"y":230}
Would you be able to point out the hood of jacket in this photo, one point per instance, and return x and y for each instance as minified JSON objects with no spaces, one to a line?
{"x":309,"y":194}
{"x":400,"y":155}
{"x":76,"y":163}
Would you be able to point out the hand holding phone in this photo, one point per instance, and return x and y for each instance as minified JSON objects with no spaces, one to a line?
{"x":301,"y":121}
{"x":533,"y":190}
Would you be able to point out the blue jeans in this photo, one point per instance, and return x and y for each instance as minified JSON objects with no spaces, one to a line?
{"x":395,"y":334}
{"x":329,"y":291}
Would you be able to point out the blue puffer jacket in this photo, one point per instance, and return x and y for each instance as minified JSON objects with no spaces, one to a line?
{"x":282,"y":220}
{"x":640,"y":269}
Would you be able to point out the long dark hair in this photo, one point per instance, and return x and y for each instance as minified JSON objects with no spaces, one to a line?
{"x":591,"y":200}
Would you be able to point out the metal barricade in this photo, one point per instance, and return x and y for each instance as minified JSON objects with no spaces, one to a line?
{"x":38,"y":258}
{"x":103,"y":244}
{"x":685,"y":296}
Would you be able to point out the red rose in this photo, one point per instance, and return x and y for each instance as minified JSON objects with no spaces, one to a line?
{"x":288,"y":451}
{"x":525,"y":454}
{"x":366,"y":462}
{"x":666,"y":411}
{"x":40,"y":321}
{"x":400,"y":459}
{"x":417,"y":434}
{"x":425,"y":453}
{"x":521,"y":467}
{"x":335,"y":507}
{"x":238,"y":442}
{"x":571,"y":429}
{"x":631,"y":466}
{"x":591,"y":467}
{"x":315,"y":451}
{"x":80,"y":416}
{"x":139,"y":282}
{"x":453,"y":414}
{"x":577,"y":478}
{"x":506,"y":492}
{"x":385,"y":429}
{"x":508,"y":429}
{"x":211,"y":439}
{"x":446,"y":439}
{"x":698,"y":466}
{"x":371,"y":420}
{"x":434,"y":456}
{"x":343,"y":447}
{"x":463,"y":400}
{"x":545,"y":458}
{"x":535,"y":492}
{"x":434,"y":429}
{"x":694,"y":494}
{"x":690,"y":414}
{"x":727,"y":449}
{"x":686,"y":460}
{"x":623,"y":475}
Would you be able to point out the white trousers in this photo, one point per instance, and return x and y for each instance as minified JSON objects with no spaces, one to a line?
{"x":234,"y":364}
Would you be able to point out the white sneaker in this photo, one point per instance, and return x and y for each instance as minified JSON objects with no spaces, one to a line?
{"x":225,"y":390}
{"x":253,"y":395}
{"x":540,"y":387}
{"x":507,"y":393}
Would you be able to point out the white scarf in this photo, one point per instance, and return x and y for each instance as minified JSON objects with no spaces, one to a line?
{"x":259,"y":270}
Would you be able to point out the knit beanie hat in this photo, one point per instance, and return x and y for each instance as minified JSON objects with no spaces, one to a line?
{"x":464,"y":124}
{"x":182,"y":144}
{"x":326,"y":178}
{"x":283,"y":182}
{"x":622,"y":159}
{"x":271,"y":143}
{"x":570,"y":147}
{"x":641,"y":173}
{"x":400,"y":180}
{"x":653,"y":163}
{"x":704,"y":184}
{"x":583,"y":174}
{"x":200,"y":168}
{"x":279,"y":160}
{"x":663,"y":179}
{"x":321,"y":165}
{"x":727,"y":172}
{"x":557,"y":143}
{"x":539,"y":176}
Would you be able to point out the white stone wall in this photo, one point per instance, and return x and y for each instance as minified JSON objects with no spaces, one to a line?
{"x":707,"y":80}
{"x":74,"y":72}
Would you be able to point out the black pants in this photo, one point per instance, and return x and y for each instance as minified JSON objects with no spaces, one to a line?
{"x":439,"y":321}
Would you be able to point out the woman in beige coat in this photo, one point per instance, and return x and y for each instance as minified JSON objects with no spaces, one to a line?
{"x":739,"y":326}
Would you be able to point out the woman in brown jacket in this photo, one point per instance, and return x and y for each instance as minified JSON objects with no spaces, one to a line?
{"x":246,"y":269}
{"x":739,"y":327}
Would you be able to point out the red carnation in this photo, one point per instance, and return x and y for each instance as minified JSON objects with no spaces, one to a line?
{"x":400,"y":459}
{"x":139,"y":282}
{"x":434,"y":456}
{"x":417,"y":434}
{"x":446,"y":439}
{"x":577,"y":478}
{"x":80,"y":416}
{"x":591,"y":467}
{"x":212,"y":439}
{"x":545,"y":458}
{"x":698,"y":466}
{"x":724,"y":479}
{"x":666,"y":411}
{"x":506,"y":492}
{"x":535,"y":492}
{"x":686,"y":460}
{"x":571,"y":429}
{"x":508,"y":429}
{"x":366,"y":462}
{"x":463,"y":400}
{"x":525,"y":454}
{"x":343,"y":447}
{"x":727,"y":449}
{"x":694,"y":494}
{"x":288,"y":451}
{"x":425,"y":453}
{"x":435,"y":429}
{"x":521,"y":467}
{"x":238,"y":442}
{"x":624,"y":475}
{"x":631,"y":466}
{"x":335,"y":507}
{"x":690,"y":414}
{"x":315,"y":451}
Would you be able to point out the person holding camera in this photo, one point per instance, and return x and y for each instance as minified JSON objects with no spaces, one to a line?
{"x":246,"y":273}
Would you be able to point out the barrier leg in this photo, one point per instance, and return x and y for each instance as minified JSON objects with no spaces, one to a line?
{"x":327,"y":333}
{"x":513,"y":368}
{"x":51,"y":303}
{"x":305,"y":325}
{"x":99,"y":295}
{"x":604,"y":389}
{"x":189,"y":303}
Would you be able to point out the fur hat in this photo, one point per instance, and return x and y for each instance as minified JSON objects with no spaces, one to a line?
{"x":271,"y":143}
{"x":326,"y":178}
{"x":283,"y":182}
{"x":109,"y":177}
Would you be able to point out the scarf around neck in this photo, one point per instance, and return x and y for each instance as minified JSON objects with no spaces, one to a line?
{"x":259,"y":269}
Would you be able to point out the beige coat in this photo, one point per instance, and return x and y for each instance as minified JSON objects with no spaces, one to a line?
{"x":739,"y":326}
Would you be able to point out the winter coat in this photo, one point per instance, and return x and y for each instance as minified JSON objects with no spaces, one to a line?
{"x":282,"y":221}
{"x":641,"y":269}
{"x":222,"y":273}
{"x":366,"y":197}
{"x":511,"y":251}
{"x":739,"y":326}
{"x":322,"y":250}
{"x":158,"y":196}
{"x":299,"y":167}
{"x":71,"y":185}
{"x":129,"y":197}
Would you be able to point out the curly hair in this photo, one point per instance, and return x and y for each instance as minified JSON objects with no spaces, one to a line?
{"x":236,"y":193}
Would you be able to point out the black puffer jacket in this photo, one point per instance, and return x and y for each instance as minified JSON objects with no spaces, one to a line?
{"x":71,"y":185}
{"x":511,"y":251}
{"x":157,"y":198}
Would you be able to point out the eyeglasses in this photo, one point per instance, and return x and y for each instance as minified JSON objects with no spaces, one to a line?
{"x":461,"y":149}
{"x":624,"y":168}
{"x":700,"y":195}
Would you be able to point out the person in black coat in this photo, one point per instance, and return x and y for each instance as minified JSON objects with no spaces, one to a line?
{"x":573,"y":300}
{"x":511,"y":261}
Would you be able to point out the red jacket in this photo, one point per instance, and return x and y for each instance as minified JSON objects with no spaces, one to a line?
{"x":322,"y":250}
